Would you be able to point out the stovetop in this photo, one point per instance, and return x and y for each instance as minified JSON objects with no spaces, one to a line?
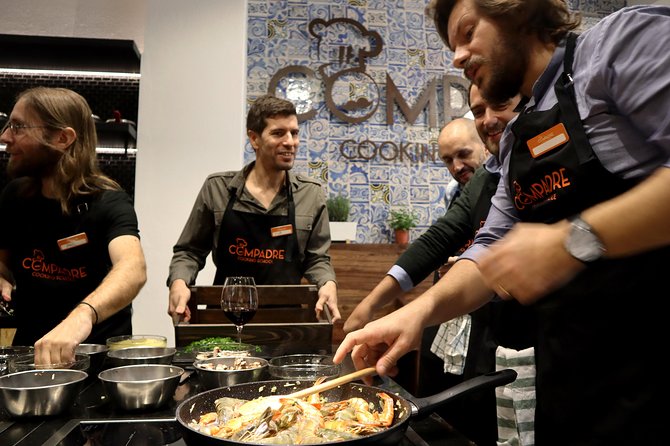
{"x":427,"y":432}
{"x":93,"y":421}
{"x":146,"y":433}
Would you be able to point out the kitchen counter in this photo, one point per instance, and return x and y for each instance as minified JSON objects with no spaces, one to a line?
{"x":95,"y":421}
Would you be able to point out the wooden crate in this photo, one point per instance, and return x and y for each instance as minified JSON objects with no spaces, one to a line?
{"x":285,"y":322}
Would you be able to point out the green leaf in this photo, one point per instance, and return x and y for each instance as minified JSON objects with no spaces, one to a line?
{"x":226,"y":343}
{"x":403,"y":219}
{"x":338,"y":208}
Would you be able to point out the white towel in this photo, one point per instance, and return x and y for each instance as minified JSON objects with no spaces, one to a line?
{"x":451,"y":343}
{"x":516,"y":401}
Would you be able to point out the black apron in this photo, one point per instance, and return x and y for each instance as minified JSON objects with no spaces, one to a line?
{"x":258,"y":245}
{"x":599,"y":337}
{"x":45,"y":297}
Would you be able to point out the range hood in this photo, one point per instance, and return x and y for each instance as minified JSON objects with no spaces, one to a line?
{"x":68,"y":53}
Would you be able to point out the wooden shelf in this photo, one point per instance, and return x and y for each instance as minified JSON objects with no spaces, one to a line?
{"x":110,"y":134}
{"x":113,"y":134}
{"x":69,"y":53}
{"x":359,"y":268}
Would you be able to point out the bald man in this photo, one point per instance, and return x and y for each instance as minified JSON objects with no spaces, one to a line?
{"x":461,"y":148}
{"x":462,"y":151}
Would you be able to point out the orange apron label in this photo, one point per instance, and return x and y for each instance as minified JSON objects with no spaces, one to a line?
{"x":278,"y":231}
{"x":73,"y":241}
{"x":548,"y":140}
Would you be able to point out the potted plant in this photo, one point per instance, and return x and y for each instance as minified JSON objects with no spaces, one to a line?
{"x":341,"y":229}
{"x":401,"y":221}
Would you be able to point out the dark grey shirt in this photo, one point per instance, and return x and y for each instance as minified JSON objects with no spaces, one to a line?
{"x":200,"y":235}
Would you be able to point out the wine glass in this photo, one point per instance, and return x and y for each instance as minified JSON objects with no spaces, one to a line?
{"x":239,"y":301}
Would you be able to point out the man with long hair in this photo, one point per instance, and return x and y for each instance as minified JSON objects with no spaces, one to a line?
{"x":578,"y":229}
{"x":70,"y":256}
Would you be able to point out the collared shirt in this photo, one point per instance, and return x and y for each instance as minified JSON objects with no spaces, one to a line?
{"x":404,"y":278}
{"x":622,"y":92}
{"x":453,"y":191}
{"x":200,"y":235}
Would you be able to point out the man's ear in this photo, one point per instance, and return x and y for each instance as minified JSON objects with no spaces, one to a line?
{"x":65,"y":138}
{"x":253,"y":137}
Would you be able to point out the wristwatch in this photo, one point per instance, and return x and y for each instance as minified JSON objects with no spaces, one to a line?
{"x":582,"y":243}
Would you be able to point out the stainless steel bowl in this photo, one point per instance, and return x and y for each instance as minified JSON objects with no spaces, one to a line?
{"x":37,"y":393}
{"x":97,"y":353}
{"x":8,"y":351}
{"x":141,"y":387}
{"x":303,"y":367}
{"x":211,"y":379}
{"x":140,"y":355}
{"x":22,"y":363}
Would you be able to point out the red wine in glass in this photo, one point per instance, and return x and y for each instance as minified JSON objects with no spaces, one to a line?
{"x":239,"y":301}
{"x":239,"y":316}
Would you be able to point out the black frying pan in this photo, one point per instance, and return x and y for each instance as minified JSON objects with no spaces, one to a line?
{"x":197,"y":405}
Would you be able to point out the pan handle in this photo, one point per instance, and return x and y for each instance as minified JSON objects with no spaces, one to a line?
{"x":428,"y":404}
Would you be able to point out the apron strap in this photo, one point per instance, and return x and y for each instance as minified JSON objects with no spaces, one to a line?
{"x":231,"y":199}
{"x":565,"y":93}
{"x":291,"y":239}
{"x":571,"y":42}
{"x":220,"y":276}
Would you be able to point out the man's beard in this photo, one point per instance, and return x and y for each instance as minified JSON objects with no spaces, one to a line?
{"x":491,"y":146}
{"x":508,"y":72}
{"x":41,"y":162}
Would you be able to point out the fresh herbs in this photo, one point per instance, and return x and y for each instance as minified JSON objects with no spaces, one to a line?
{"x":226,"y":343}
{"x":338,"y":208}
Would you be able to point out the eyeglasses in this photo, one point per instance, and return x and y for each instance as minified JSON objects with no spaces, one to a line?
{"x":17,"y":129}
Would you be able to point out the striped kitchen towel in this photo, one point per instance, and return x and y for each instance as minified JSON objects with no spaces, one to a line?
{"x":451,"y":343}
{"x":516,"y":401}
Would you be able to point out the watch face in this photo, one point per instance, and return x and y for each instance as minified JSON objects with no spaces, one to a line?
{"x":583,"y":244}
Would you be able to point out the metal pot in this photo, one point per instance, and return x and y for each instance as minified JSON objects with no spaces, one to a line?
{"x":194,"y":407}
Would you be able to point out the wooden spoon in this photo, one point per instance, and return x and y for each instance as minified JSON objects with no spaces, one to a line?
{"x":333,"y":383}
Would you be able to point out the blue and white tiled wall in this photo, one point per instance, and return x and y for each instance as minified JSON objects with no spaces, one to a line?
{"x":411,"y":54}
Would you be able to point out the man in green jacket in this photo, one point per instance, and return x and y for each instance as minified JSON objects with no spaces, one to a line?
{"x":494,"y":324}
{"x":262,"y":221}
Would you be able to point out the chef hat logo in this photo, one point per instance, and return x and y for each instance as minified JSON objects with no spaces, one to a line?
{"x":351,"y":93}
{"x":38,"y":254}
{"x":347,"y":42}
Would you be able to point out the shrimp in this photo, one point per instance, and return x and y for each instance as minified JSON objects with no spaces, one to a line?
{"x":280,"y":419}
{"x":315,"y":398}
{"x":386,"y":415}
{"x":356,"y":418}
